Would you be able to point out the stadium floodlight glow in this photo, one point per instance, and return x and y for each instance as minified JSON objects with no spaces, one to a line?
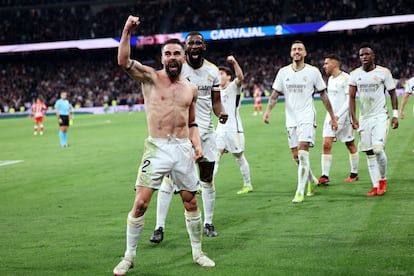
{"x":219,"y":34}
{"x":355,"y":24}
{"x":84,"y":44}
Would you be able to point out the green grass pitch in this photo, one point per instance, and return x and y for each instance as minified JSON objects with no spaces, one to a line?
{"x":63,"y":210}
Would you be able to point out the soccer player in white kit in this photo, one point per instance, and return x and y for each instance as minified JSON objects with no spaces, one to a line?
{"x":409,"y":90}
{"x":298,"y":82}
{"x":172,"y":146}
{"x":371,"y":81}
{"x":205,"y":75}
{"x":338,"y":89}
{"x":230,"y":136}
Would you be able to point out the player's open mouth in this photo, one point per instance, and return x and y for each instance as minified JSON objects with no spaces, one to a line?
{"x":173,"y":66}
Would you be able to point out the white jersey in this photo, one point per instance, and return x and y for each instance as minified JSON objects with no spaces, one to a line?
{"x":207,"y":79}
{"x":371,"y":88}
{"x":338,"y":91}
{"x":298,"y":88}
{"x":409,"y":88}
{"x":230,"y":98}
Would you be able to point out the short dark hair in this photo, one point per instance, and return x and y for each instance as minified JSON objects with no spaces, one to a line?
{"x":298,"y":41}
{"x":334,"y":57}
{"x":173,"y":41}
{"x":194,"y":33}
{"x":366,"y":45}
{"x":226,"y":69}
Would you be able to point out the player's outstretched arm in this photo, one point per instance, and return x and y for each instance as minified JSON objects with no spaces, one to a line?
{"x":237,"y":69}
{"x":134,"y":68}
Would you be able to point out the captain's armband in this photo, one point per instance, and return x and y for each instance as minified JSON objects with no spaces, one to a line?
{"x":215,"y":88}
{"x":130,"y":66}
{"x":192,"y":125}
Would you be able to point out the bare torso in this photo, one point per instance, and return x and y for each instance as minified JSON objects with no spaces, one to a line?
{"x":167,"y":105}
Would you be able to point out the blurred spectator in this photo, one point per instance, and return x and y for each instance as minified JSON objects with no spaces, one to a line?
{"x":92,"y":78}
{"x":26,"y":21}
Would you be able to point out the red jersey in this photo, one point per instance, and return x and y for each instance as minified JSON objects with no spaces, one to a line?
{"x":38,"y":109}
{"x":257,"y":96}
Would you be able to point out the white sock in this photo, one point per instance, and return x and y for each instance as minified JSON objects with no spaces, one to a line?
{"x":373,"y":169}
{"x":133,"y":232}
{"x":326,"y":162}
{"x":244,"y":169}
{"x":382,"y":162}
{"x":194,"y":228}
{"x":208,"y":195}
{"x":354,"y":162}
{"x":303,"y":171}
{"x":164,"y":197}
{"x":311,"y":176}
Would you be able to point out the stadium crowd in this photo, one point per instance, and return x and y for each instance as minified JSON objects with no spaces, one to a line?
{"x":92,"y":78}
{"x":26,"y":21}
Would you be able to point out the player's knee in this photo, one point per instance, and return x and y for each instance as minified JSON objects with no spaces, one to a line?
{"x":191,"y":205}
{"x":378,"y":149}
{"x":140,"y":205}
{"x":238,"y":154}
{"x":206,"y":184}
{"x":351,"y":146}
{"x":327,"y":147}
{"x":239,"y":158}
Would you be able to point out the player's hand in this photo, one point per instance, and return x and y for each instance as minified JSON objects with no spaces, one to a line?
{"x":402,"y":114}
{"x":198,"y":154}
{"x":334,"y":124}
{"x":266,"y":117}
{"x":132,"y":23}
{"x":355,"y":124}
{"x":223,"y":117}
{"x":394,"y":123}
{"x":231,"y":60}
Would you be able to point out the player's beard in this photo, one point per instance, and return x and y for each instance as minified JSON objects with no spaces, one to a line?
{"x":297,"y":58}
{"x":195,"y":58}
{"x":173,"y":69}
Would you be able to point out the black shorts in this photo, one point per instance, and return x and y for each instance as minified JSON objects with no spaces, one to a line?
{"x":65,"y":120}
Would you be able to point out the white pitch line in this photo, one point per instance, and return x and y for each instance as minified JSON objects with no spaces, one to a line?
{"x":9,"y":162}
